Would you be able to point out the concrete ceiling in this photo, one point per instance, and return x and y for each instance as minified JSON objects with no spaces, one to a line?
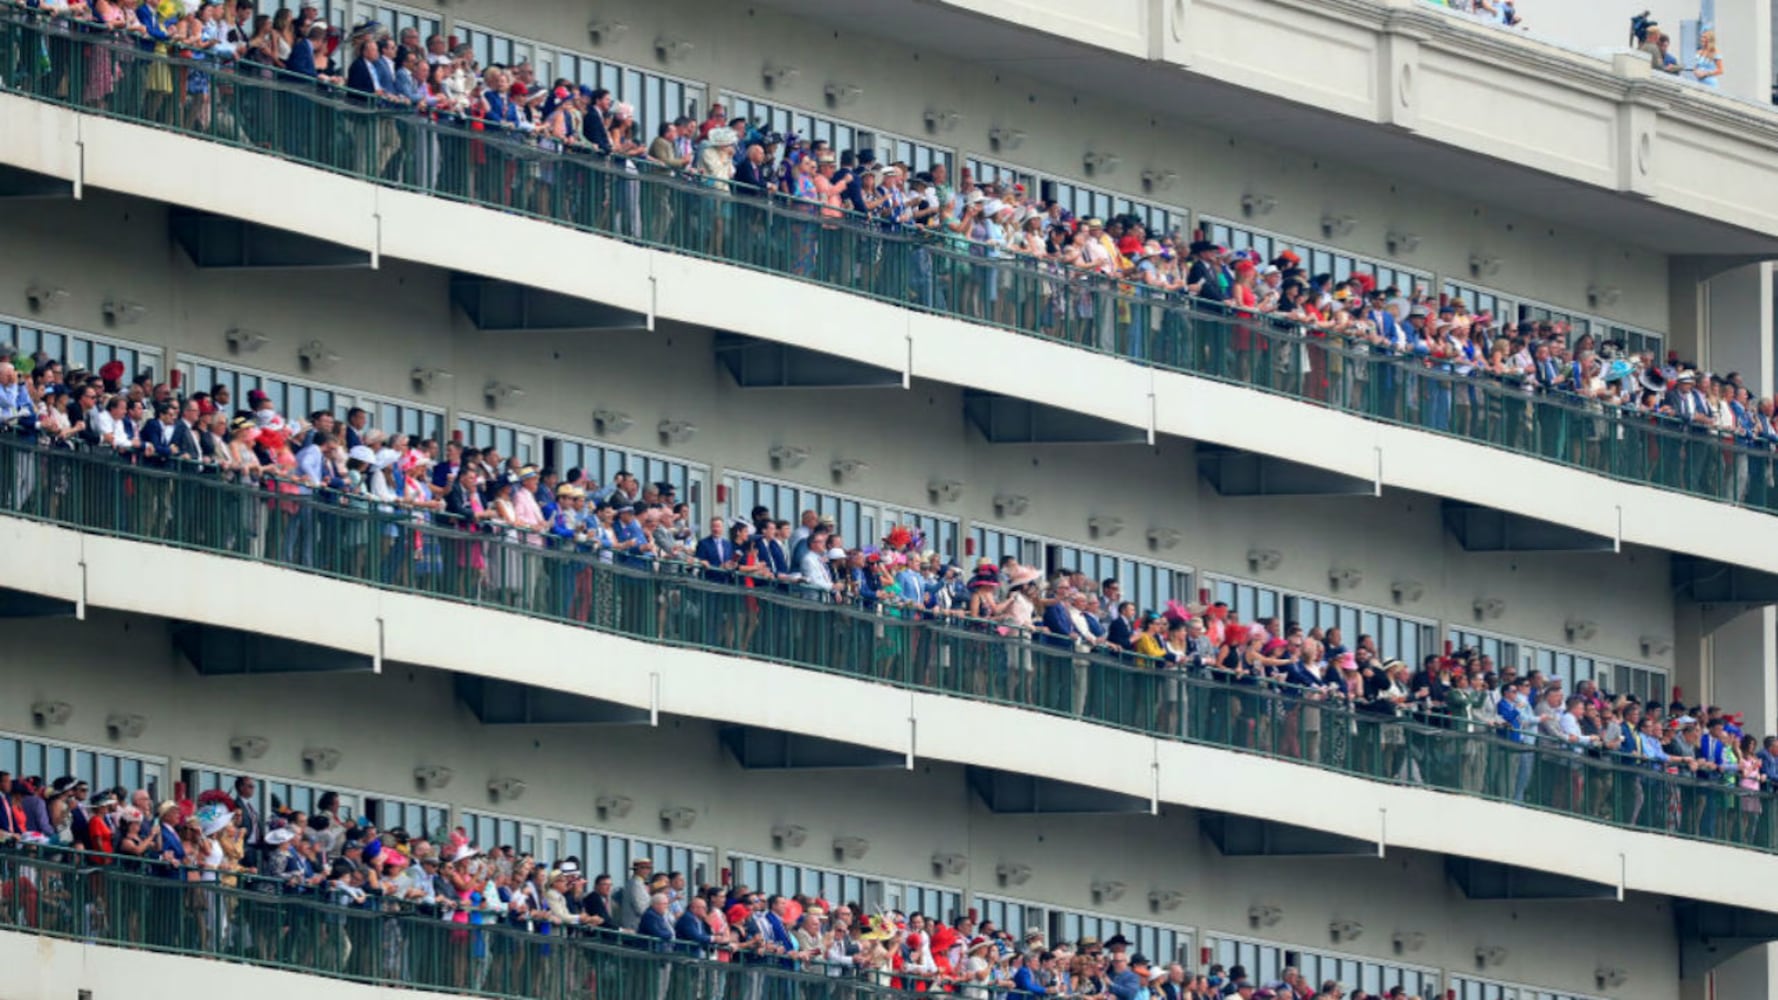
{"x":1214,"y":104}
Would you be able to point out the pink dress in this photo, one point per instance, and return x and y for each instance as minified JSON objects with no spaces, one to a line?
{"x":101,"y":61}
{"x":1750,"y":772}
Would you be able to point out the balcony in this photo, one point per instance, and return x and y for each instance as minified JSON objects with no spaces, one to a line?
{"x":671,"y":605}
{"x":910,"y":271}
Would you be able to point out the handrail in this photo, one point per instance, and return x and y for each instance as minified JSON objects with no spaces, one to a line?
{"x":50,"y":891}
{"x":944,"y":274}
{"x":881,"y":644}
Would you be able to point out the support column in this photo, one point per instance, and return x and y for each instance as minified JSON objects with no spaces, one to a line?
{"x":1744,"y":37}
{"x":1741,"y":661}
{"x":1740,"y":673}
{"x":1737,"y":325}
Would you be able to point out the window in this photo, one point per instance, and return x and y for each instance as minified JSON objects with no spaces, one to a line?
{"x":599,"y":851}
{"x":602,"y":463}
{"x":869,"y":893}
{"x":30,"y":756}
{"x":1267,"y":961}
{"x":1644,"y":681}
{"x":297,"y":398}
{"x":1512,"y":309}
{"x":1470,"y":988}
{"x":656,"y":98}
{"x":859,"y":522}
{"x":276,"y":795}
{"x":1317,"y":258}
{"x":396,"y":19}
{"x":843,"y":135}
{"x":1160,"y":942}
{"x":510,"y":440}
{"x":1398,"y":637}
{"x":1086,"y":202}
{"x":1149,"y":584}
{"x":989,"y":172}
{"x":81,"y":350}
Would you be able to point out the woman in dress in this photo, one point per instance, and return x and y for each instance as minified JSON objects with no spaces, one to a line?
{"x":1751,"y":781}
{"x":101,"y":65}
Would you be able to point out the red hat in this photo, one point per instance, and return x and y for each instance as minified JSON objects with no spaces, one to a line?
{"x":1129,"y":246}
{"x":1290,"y":255}
{"x":112,"y":371}
{"x":1245,"y":267}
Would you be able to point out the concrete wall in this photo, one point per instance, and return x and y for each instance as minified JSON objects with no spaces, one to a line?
{"x":383,"y":725}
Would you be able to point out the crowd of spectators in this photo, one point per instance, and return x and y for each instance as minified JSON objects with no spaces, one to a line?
{"x":1098,"y":274}
{"x":1049,"y":639}
{"x":222,"y":839}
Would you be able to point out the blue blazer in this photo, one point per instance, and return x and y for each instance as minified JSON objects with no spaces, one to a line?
{"x":690,"y":928}
{"x":655,"y":925}
{"x":1055,"y":618}
{"x":302,"y":58}
{"x":715,"y":551}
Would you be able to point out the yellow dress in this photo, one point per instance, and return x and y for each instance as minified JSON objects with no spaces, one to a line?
{"x":160,"y":72}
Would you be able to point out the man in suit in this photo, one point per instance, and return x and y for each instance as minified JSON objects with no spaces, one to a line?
{"x":656,"y":924}
{"x":597,"y":904}
{"x":166,"y":438}
{"x":717,"y":553}
{"x":636,"y":901}
{"x":1122,"y":631}
{"x":593,"y":122}
{"x":751,"y":178}
{"x":691,"y":926}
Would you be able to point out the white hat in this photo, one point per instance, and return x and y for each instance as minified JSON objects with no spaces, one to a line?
{"x":282,"y":835}
{"x":360,"y":453}
{"x":465,"y":852}
{"x":722,"y":136}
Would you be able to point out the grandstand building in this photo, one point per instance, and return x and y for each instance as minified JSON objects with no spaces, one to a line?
{"x":1398,"y":364}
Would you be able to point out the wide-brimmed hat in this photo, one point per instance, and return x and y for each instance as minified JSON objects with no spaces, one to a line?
{"x":986,"y":576}
{"x":722,"y":136}
{"x":1023,"y":575}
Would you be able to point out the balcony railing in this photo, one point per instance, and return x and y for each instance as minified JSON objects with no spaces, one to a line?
{"x":477,"y":162}
{"x":405,"y":550}
{"x":129,"y":903}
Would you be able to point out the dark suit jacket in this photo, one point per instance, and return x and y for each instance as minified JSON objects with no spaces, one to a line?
{"x":750,"y":179}
{"x":302,"y":58}
{"x":361,"y":78}
{"x":716,"y":551}
{"x":655,"y":925}
{"x":159,"y":441}
{"x":690,"y":928}
{"x":593,"y":127}
{"x":595,"y":905}
{"x":1121,"y":634}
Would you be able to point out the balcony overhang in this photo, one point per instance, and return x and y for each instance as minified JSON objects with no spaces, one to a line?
{"x":509,"y":703}
{"x":1712,"y":933}
{"x":219,"y":242}
{"x":1481,"y":879}
{"x":1489,"y":529}
{"x":1236,"y":473}
{"x":24,"y":604}
{"x":1708,"y":581}
{"x":1251,"y":837}
{"x":766,"y":364}
{"x":1024,"y":794}
{"x":217,"y":651}
{"x":496,"y":306}
{"x":17,"y":183}
{"x":1010,"y":420}
{"x":759,"y":749}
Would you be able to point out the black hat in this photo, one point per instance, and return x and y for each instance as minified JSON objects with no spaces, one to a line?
{"x":1202,"y":246}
